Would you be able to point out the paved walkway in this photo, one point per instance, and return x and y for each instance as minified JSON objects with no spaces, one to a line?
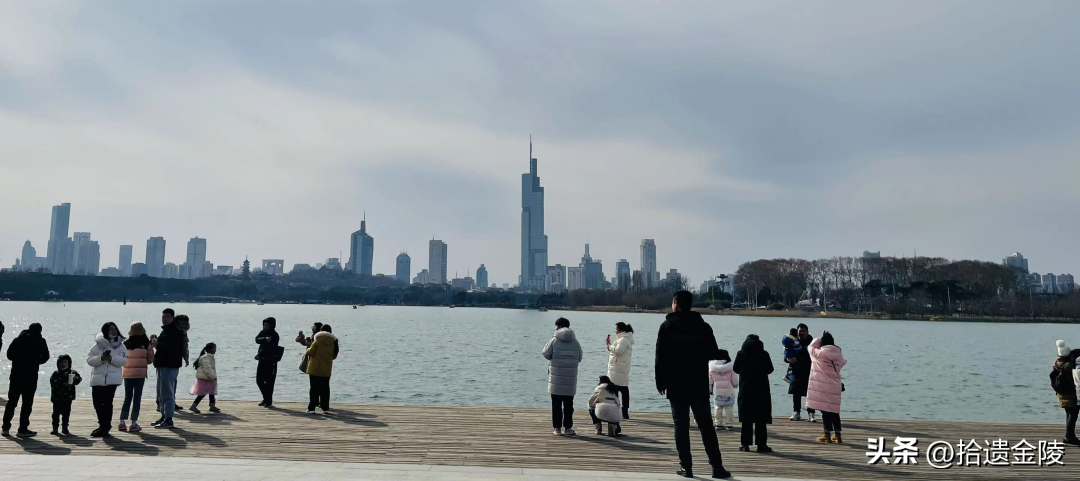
{"x":37,"y":467}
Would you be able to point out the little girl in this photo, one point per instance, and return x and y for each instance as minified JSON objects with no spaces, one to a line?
{"x":205,"y":379}
{"x":724,"y":382}
{"x":604,"y":406}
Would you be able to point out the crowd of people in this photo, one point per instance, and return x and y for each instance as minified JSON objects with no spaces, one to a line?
{"x":116,"y":359}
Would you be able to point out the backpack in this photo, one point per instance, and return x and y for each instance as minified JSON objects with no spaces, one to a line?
{"x":1060,"y":381}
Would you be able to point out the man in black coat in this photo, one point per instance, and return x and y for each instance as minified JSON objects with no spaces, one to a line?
{"x":801,"y":369}
{"x":168,"y":357}
{"x":26,"y":352}
{"x":684,"y":347}
{"x":268,"y":357}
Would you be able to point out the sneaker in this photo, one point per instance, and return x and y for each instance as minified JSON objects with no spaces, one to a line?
{"x":65,"y":432}
{"x":557,"y":432}
{"x":269,"y":406}
{"x":26,"y":433}
{"x":194,"y":410}
{"x":1072,"y":441}
{"x":156,"y":423}
{"x":214,"y":409}
{"x":686,"y":473}
{"x":135,"y":428}
{"x":327,"y":412}
{"x":122,"y":427}
{"x":178,"y":408}
{"x":6,"y":432}
{"x":262,"y":404}
{"x":824,"y":438}
{"x":166,"y":424}
{"x":570,"y":432}
{"x":744,"y":448}
{"x":311,"y":411}
{"x":764,"y":449}
{"x":812,"y":417}
{"x":55,"y":432}
{"x":96,"y":433}
{"x":837,"y":439}
{"x":599,"y":429}
{"x":796,"y":416}
{"x":721,"y":473}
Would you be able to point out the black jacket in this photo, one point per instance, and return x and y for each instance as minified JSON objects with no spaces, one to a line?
{"x":170,"y":347}
{"x":26,"y":353}
{"x":753,"y":365}
{"x":61,"y":390}
{"x":684,"y":346}
{"x":801,"y":368}
{"x":268,"y":345}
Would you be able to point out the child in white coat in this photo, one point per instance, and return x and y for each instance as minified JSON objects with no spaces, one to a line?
{"x":604,"y":406}
{"x":724,"y":382}
{"x":205,"y":379}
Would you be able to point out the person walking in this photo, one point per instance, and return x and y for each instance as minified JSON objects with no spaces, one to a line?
{"x":753,"y":365}
{"x":268,"y":357}
{"x":205,"y":379}
{"x":63,"y":382}
{"x":563,"y":353}
{"x":140,"y":355}
{"x":168,"y":357}
{"x":618,"y":370}
{"x":724,"y":381}
{"x":321,"y":355}
{"x":107,"y":357}
{"x":801,"y":371}
{"x":1067,"y":389}
{"x":684,"y":346}
{"x":27,"y":353}
{"x":826,"y":386}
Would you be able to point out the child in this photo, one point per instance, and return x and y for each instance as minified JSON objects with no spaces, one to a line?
{"x":604,"y":406}
{"x":63,"y":383}
{"x":791,"y":349}
{"x":205,"y":379}
{"x":724,"y":382}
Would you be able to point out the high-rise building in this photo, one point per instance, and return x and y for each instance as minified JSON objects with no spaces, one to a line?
{"x":81,"y":242}
{"x":464,"y":283}
{"x":170,"y":271}
{"x":556,"y":278}
{"x":1049,"y":283}
{"x":60,"y":255}
{"x":138,"y":269}
{"x":422,"y":277}
{"x":650,"y":276}
{"x":673,"y":278}
{"x":575,"y":278}
{"x":1016,"y":261}
{"x":437,"y":261}
{"x":404,"y":266}
{"x":622,"y":275}
{"x":481,"y":277}
{"x":534,"y":242}
{"x":125,"y":261}
{"x":361,"y":250}
{"x":333,"y":263}
{"x":1065,"y":283}
{"x":593,"y":271}
{"x":196,"y":258}
{"x":61,"y":217}
{"x":29,"y":256}
{"x":155,"y":256}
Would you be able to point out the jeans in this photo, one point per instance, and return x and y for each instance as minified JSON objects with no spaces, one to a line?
{"x":624,"y":395}
{"x":680,"y":414}
{"x":796,"y":404}
{"x":754,"y":431}
{"x":24,"y":388}
{"x":1070,"y":422}
{"x":132,"y":399}
{"x":831,"y":421}
{"x":562,"y":411}
{"x":265,"y":375}
{"x":166,"y":387}
{"x":199,"y":398}
{"x":61,"y":413}
{"x":725,"y":416}
{"x":319,"y":393}
{"x":103,"y":405}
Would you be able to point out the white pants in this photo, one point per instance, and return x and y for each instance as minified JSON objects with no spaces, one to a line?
{"x":724,"y":416}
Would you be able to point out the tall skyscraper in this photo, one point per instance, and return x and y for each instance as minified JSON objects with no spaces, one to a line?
{"x":1016,"y":261}
{"x":592,"y":270}
{"x":556,"y":278}
{"x":575,"y":278}
{"x":622,"y":275}
{"x":534,"y":243}
{"x":87,"y":255}
{"x":404,"y":267}
{"x":155,"y":256}
{"x":61,"y":216}
{"x":125,"y":261}
{"x":60,"y":254}
{"x":650,"y":276}
{"x":481,"y":277}
{"x":437,"y":261}
{"x":196,"y":258}
{"x":29,"y":257}
{"x":361,"y":250}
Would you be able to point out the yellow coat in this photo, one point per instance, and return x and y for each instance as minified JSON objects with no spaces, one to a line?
{"x":321,"y":355}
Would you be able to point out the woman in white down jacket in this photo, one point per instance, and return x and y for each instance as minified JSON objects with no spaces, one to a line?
{"x":107,"y":357}
{"x":618,"y":369}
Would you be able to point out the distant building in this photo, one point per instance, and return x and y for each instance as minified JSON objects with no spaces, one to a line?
{"x":196,"y":258}
{"x":650,"y":275}
{"x":404,"y":267}
{"x":155,"y":256}
{"x":170,"y":271}
{"x":125,"y":261}
{"x":138,"y":269}
{"x":705,"y":286}
{"x":361,"y":250}
{"x":463,"y":284}
{"x":593,"y":271}
{"x":1065,"y":284}
{"x":727,"y":284}
{"x":534,"y":243}
{"x":437,"y":261}
{"x":82,"y":256}
{"x":1049,"y":283}
{"x":506,"y":285}
{"x":30,"y":260}
{"x":110,"y":272}
{"x":300,"y":268}
{"x":333,"y":264}
{"x":556,"y":278}
{"x":575,"y":278}
{"x":274,"y":267}
{"x":871,"y":255}
{"x":60,"y":254}
{"x":622,"y":275}
{"x":672,"y":277}
{"x":423,"y":277}
{"x":1016,"y":261}
{"x":223,"y":271}
{"x":482,"y":277}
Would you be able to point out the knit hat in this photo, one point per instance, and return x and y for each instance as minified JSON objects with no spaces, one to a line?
{"x":137,"y":329}
{"x":1062,"y":349}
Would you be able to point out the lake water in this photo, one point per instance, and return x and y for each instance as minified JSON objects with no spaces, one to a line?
{"x":491,"y":357}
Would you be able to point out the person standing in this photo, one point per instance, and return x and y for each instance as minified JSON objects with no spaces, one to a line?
{"x":1064,"y":367}
{"x":801,"y":369}
{"x":563,"y":353}
{"x":306,"y":342}
{"x":140,"y":355}
{"x":684,"y":346}
{"x":27,"y":353}
{"x":205,"y":379}
{"x":825,"y":385}
{"x":753,"y":365}
{"x":268,"y":356}
{"x":618,"y":369}
{"x":168,"y":358}
{"x":63,"y":382}
{"x":321,"y":355}
{"x":107,"y":357}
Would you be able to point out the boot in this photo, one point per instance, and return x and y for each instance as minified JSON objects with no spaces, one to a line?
{"x":55,"y":430}
{"x":611,"y":430}
{"x":599,"y":429}
{"x":824,"y":438}
{"x":836,"y":438}
{"x":65,"y":431}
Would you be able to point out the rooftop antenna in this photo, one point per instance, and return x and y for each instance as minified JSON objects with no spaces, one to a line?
{"x":530,"y":147}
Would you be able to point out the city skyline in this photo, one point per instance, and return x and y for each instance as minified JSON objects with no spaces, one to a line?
{"x":722,"y":143}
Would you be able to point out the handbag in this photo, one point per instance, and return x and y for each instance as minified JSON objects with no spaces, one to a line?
{"x":303,"y":364}
{"x":842,"y":386}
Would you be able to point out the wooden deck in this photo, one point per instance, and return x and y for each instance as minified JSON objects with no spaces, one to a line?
{"x":520,"y":437}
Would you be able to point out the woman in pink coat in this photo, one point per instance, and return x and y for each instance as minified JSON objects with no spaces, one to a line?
{"x":823,"y":391}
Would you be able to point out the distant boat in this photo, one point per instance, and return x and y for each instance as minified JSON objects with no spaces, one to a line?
{"x":354,"y":306}
{"x":543,"y":309}
{"x":223,"y":302}
{"x":451,"y":306}
{"x":261,"y":303}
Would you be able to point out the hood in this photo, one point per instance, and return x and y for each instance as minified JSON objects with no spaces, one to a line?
{"x":139,"y":341}
{"x":64,"y":357}
{"x":831,"y":352}
{"x":323,"y":334}
{"x":753,"y":343}
{"x":565,"y":334}
{"x":690,"y":316}
{"x":105,"y":343}
{"x":629,"y":336}
{"x":715,"y":366}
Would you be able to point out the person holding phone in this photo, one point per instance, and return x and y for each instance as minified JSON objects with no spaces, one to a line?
{"x":107,"y":357}
{"x":268,"y":356}
{"x":618,"y":370}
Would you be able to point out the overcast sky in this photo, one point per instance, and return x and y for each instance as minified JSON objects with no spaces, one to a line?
{"x":727,"y":131}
